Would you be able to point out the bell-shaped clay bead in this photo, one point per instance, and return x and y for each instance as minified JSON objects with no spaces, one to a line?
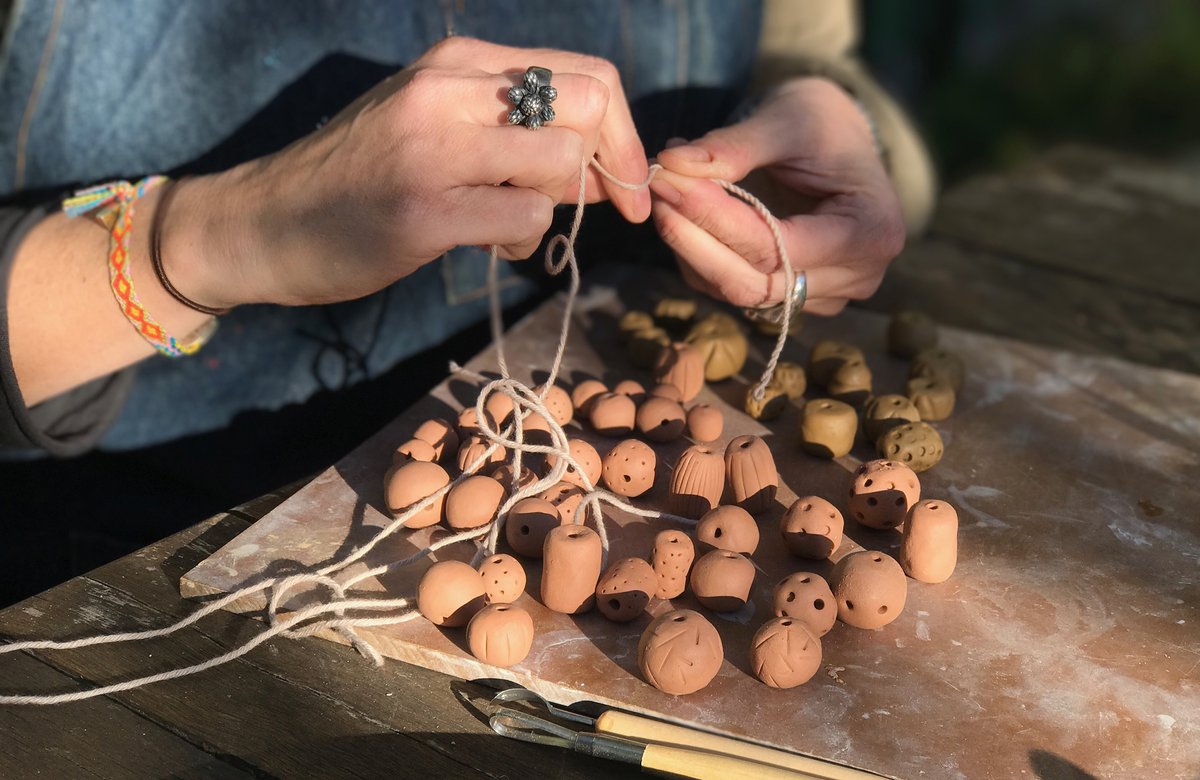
{"x":584,"y":393}
{"x":750,"y":474}
{"x":625,"y":589}
{"x":409,"y":483}
{"x":728,"y":528}
{"x":851,"y":383}
{"x":697,"y":482}
{"x":672,"y":560}
{"x":680,"y":652}
{"x":475,"y":447}
{"x":503,"y":578}
{"x":808,"y":598}
{"x":785,"y":653}
{"x":933,"y":397}
{"x":450,"y":593}
{"x":930,"y":547}
{"x":632,"y":388}
{"x":613,"y":414}
{"x":721,"y":580}
{"x":660,"y":420}
{"x":669,"y":392}
{"x":827,"y":357}
{"x":885,"y":412}
{"x":827,"y":428}
{"x":527,"y":525}
{"x":500,"y":635}
{"x":570,"y":569}
{"x":473,"y":502}
{"x":882,"y":492}
{"x":938,"y":363}
{"x":441,"y":435}
{"x":558,"y":403}
{"x":629,"y":468}
{"x":705,"y":423}
{"x":414,"y":449}
{"x":870,"y":589}
{"x":812,"y":528}
{"x":681,"y":365}
{"x":588,"y":459}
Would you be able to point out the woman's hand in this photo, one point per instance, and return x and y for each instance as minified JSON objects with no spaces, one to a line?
{"x":816,"y":145}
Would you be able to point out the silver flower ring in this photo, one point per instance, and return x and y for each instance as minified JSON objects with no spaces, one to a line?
{"x":532,"y":98}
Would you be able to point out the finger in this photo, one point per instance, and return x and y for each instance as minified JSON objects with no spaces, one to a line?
{"x":730,"y":153}
{"x":725,"y":273}
{"x":580,"y":104}
{"x":825,"y":307}
{"x":505,"y":216}
{"x":546,"y":161}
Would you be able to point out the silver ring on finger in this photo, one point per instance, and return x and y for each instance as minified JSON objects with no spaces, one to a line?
{"x":532,"y":99}
{"x":773,"y":314}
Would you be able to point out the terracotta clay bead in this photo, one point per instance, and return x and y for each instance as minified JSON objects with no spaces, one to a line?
{"x":504,"y":475}
{"x":625,"y":589}
{"x":929,"y":551}
{"x":675,"y":314}
{"x":441,"y":434}
{"x":588,"y":459}
{"x":473,"y":502}
{"x":885,"y":412}
{"x":527,"y":524}
{"x":697,"y":482}
{"x":414,"y":449}
{"x":770,"y":406}
{"x":938,"y":363}
{"x":672,"y":560}
{"x":661,"y":420}
{"x":629,"y":468}
{"x":812,"y":528}
{"x":500,"y":635}
{"x":728,"y":528}
{"x":681,"y":365}
{"x":933,"y":397}
{"x":570,"y":569}
{"x":882,"y":492}
{"x":450,"y":593}
{"x":790,"y":378}
{"x":633,"y":321}
{"x":750,"y":474}
{"x":499,"y":406}
{"x":584,"y":393}
{"x":721,"y":580}
{"x":613,"y":414}
{"x":408,"y":483}
{"x":870,"y":588}
{"x":722,"y":345}
{"x":806,"y":597}
{"x":472,"y":449}
{"x":631,"y":388}
{"x":680,"y":652}
{"x":646,"y":345}
{"x":827,"y":356}
{"x":468,"y":423}
{"x":918,"y":445}
{"x":705,"y":423}
{"x":910,"y":332}
{"x":785,"y":653}
{"x":851,"y":383}
{"x":503,"y":578}
{"x":565,"y":498}
{"x":558,"y":403}
{"x":827,"y":428}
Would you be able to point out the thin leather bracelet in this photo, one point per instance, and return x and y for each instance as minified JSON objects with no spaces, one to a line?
{"x":156,"y":255}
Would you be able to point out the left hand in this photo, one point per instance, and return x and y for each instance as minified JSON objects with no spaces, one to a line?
{"x":813,"y":142}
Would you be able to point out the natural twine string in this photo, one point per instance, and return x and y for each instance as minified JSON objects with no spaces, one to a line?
{"x":344,"y":614}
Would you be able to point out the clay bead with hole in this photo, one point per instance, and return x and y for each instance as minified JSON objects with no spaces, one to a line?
{"x":672,"y":560}
{"x":571,"y":559}
{"x":624,"y":591}
{"x":565,"y":498}
{"x":705,"y":423}
{"x":790,"y":378}
{"x":917,"y":445}
{"x":584,"y":393}
{"x":613,"y":414}
{"x":910,"y":332}
{"x":750,"y":474}
{"x":728,"y":528}
{"x":558,"y":403}
{"x":929,"y":550}
{"x":670,"y":392}
{"x":885,"y":412}
{"x":661,"y":420}
{"x":527,"y":524}
{"x":473,"y":502}
{"x":633,"y":321}
{"x":629,"y":468}
{"x":503,"y":578}
{"x":680,"y":652}
{"x":882,"y":492}
{"x":851,"y":383}
{"x":409,"y":483}
{"x":631,"y":388}
{"x":500,"y":634}
{"x":827,"y":357}
{"x":504,"y":475}
{"x":769,"y":407}
{"x":721,"y":580}
{"x":450,"y":593}
{"x":468,"y":423}
{"x":675,"y":314}
{"x":933,"y":397}
{"x":827,"y":428}
{"x":681,"y":365}
{"x":870,"y":589}
{"x":475,"y":447}
{"x":697,"y":481}
{"x":808,"y":598}
{"x":812,"y":528}
{"x":414,"y":449}
{"x":721,"y":343}
{"x":939,"y":363}
{"x":785,"y":653}
{"x":586,"y":456}
{"x":646,"y":345}
{"x":441,"y":434}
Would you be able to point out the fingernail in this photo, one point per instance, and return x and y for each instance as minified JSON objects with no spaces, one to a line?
{"x":692,"y":153}
{"x":675,"y":142}
{"x":665,"y":191}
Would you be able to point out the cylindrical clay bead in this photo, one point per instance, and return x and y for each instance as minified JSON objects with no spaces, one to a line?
{"x":500,"y":635}
{"x":570,"y":569}
{"x":697,"y":482}
{"x":827,"y":428}
{"x":625,"y":589}
{"x":750,"y":474}
{"x":721,"y":580}
{"x":728,"y":528}
{"x":870,"y":588}
{"x":672,"y":560}
{"x":929,"y":551}
{"x":812,"y":528}
{"x":680,"y":652}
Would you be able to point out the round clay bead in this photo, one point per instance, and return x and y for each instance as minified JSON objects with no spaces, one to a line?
{"x":408,"y":483}
{"x":503,"y":578}
{"x":570,"y":569}
{"x":473,"y":448}
{"x":827,"y":428}
{"x":633,"y":321}
{"x":705,"y":423}
{"x":680,"y":652}
{"x":565,"y":498}
{"x":885,"y":412}
{"x":770,"y":406}
{"x":646,"y":345}
{"x":721,"y":580}
{"x":812,"y":528}
{"x":918,"y":445}
{"x":661,"y":420}
{"x":870,"y":589}
{"x":909,"y":332}
{"x":785,"y":653}
{"x":504,"y":475}
{"x":697,"y":482}
{"x":851,"y":383}
{"x":584,"y":393}
{"x":631,"y":388}
{"x":933,"y":397}
{"x":527,"y":524}
{"x":441,"y":434}
{"x":588,"y":459}
{"x":669,"y":392}
{"x":450,"y":593}
{"x":882,"y":492}
{"x":468,"y":423}
{"x":790,"y":377}
{"x":930,"y":547}
{"x":672,"y":560}
{"x":629,"y":468}
{"x":722,"y":345}
{"x":827,"y":356}
{"x":675,"y":314}
{"x":750,"y":474}
{"x":728,"y":528}
{"x":625,"y":589}
{"x":681,"y":365}
{"x":500,"y":635}
{"x":414,"y":449}
{"x":806,"y":597}
{"x":473,"y":502}
{"x":613,"y":414}
{"x":499,"y":406}
{"x":558,"y":403}
{"x":938,"y":363}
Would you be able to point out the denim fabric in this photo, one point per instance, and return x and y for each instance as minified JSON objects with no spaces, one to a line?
{"x":142,"y":86}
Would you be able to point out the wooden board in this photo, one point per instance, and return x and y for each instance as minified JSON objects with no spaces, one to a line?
{"x":1068,"y":635}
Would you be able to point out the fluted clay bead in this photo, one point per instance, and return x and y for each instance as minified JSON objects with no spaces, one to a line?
{"x":917,"y":445}
{"x":672,"y":560}
{"x":414,"y":449}
{"x":870,"y":588}
{"x":933,"y":397}
{"x":721,"y":343}
{"x":625,"y":589}
{"x":527,"y":524}
{"x":771,"y":405}
{"x":472,"y":449}
{"x":910,"y":332}
{"x":750,"y":474}
{"x":441,"y":435}
{"x":450,"y":593}
{"x":681,"y":365}
{"x":584,"y":393}
{"x":570,"y":569}
{"x":808,"y":598}
{"x":473,"y":502}
{"x":558,"y":403}
{"x":785,"y":653}
{"x":882,"y":492}
{"x":827,"y":428}
{"x":697,"y":482}
{"x":661,"y":420}
{"x":628,"y":468}
{"x":721,"y":580}
{"x":929,"y":551}
{"x":646,"y":345}
{"x":827,"y":356}
{"x":500,"y":635}
{"x":885,"y":412}
{"x":851,"y":383}
{"x":680,"y":652}
{"x":586,"y":456}
{"x":728,"y":528}
{"x":503,"y":578}
{"x":705,"y":423}
{"x":408,"y":484}
{"x":613,"y":414}
{"x":633,"y":321}
{"x":790,"y":378}
{"x":939,"y":363}
{"x":631,"y":388}
{"x":812,"y":528}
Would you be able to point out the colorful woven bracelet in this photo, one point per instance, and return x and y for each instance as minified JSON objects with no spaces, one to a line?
{"x":112,"y":205}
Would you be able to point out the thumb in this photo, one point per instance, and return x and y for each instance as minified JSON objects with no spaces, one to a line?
{"x":729,"y":153}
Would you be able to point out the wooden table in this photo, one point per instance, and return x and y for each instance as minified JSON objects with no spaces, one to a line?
{"x":1085,"y":250}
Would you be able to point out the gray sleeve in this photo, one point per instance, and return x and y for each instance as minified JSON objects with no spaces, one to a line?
{"x":70,"y":423}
